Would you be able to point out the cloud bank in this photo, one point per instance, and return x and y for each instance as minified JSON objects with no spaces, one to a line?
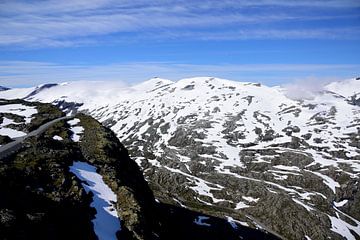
{"x":20,"y":73}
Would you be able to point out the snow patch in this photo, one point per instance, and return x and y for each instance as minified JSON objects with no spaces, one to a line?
{"x":73,"y":122}
{"x":343,"y":228}
{"x":303,"y":204}
{"x":287,"y":168}
{"x":250,"y":199}
{"x":341,"y":203}
{"x":241,"y":205}
{"x":11,"y":133}
{"x":331,"y":183}
{"x":7,"y":121}
{"x":200,"y":221}
{"x":19,"y":109}
{"x":106,"y":222}
{"x":76,"y":130}
{"x":58,"y":138}
{"x":234,"y":222}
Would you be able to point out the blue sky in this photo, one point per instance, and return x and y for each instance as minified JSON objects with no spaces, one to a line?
{"x":268,"y":41}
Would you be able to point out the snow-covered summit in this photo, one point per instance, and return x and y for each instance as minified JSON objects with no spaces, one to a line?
{"x":106,"y":92}
{"x":346,"y":88}
{"x":152,"y":84}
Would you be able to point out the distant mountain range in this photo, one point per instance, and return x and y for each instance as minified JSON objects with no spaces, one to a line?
{"x":263,"y":156}
{"x":3,"y":88}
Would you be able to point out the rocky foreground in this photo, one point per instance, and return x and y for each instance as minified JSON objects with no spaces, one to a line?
{"x":41,"y":198}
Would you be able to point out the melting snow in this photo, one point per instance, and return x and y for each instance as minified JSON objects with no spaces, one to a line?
{"x":106,"y":222}
{"x":287,"y":168}
{"x":200,"y":221}
{"x":6,"y":122}
{"x":250,"y":199}
{"x":19,"y":109}
{"x":268,"y":108}
{"x":74,"y":122}
{"x":341,"y":203}
{"x":343,"y":228}
{"x":332,"y":184}
{"x":234,"y":222}
{"x":76,"y":130}
{"x":202,"y":187}
{"x":12,"y":133}
{"x":303,"y":204}
{"x":56,"y":137}
{"x":284,"y":172}
{"x":241,"y":205}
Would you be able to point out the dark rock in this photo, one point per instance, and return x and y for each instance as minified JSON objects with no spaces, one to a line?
{"x":7,"y":217}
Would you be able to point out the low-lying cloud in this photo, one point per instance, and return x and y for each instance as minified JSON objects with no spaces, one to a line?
{"x":308,"y":88}
{"x":21,"y":73}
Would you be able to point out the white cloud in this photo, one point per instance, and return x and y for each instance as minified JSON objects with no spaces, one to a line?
{"x":77,"y":22}
{"x":33,"y":73}
{"x":307,"y":88}
{"x":21,"y":6}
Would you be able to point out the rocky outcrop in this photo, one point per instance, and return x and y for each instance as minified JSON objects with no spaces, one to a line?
{"x":136,"y":202}
{"x":45,"y":113}
{"x":40,"y":198}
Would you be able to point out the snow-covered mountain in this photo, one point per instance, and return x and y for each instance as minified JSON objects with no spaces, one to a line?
{"x":236,"y":150}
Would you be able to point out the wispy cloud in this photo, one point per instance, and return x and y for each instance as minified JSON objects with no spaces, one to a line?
{"x":33,"y":73}
{"x":21,"y":6}
{"x":77,"y":22}
{"x":247,"y":34}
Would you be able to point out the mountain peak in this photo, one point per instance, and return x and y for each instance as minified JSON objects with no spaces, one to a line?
{"x":152,"y":83}
{"x":41,"y":88}
{"x":346,"y":88}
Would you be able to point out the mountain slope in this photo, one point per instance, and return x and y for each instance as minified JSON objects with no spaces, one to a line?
{"x":75,"y":180}
{"x":239,"y":150}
